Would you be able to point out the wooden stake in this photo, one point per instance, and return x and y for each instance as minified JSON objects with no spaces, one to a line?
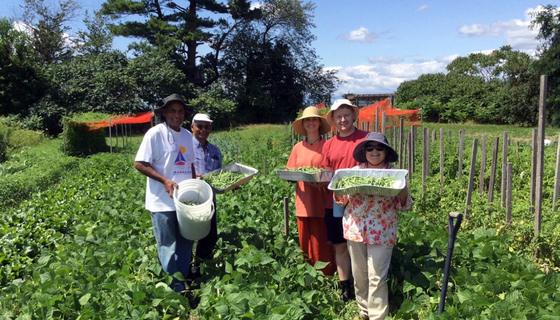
{"x":509,"y":192}
{"x":461,"y":145}
{"x":540,"y":155}
{"x":441,"y":159}
{"x":493,"y":171}
{"x":504,"y":167}
{"x":286,"y":217}
{"x":556,"y":179}
{"x":482,"y":165}
{"x":533,"y":171}
{"x":471,"y":178}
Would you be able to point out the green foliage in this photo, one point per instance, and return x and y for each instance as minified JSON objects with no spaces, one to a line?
{"x":109,"y":83}
{"x":214,"y":103}
{"x":30,"y":170}
{"x":84,"y":247}
{"x":4,"y":142}
{"x":548,"y":21}
{"x":501,"y":87}
{"x":272,"y":69}
{"x":175,"y":32}
{"x":25,"y":138}
{"x":21,"y":79}
{"x":80,"y":141}
{"x":48,"y":35}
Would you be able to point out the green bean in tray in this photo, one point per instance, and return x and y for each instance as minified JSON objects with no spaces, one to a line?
{"x":352,"y":181}
{"x":307,"y":169}
{"x":223,"y":179}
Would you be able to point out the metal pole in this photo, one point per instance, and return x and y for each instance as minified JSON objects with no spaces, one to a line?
{"x":453,"y":228}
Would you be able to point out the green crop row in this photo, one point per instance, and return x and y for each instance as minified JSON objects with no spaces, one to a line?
{"x":84,"y":248}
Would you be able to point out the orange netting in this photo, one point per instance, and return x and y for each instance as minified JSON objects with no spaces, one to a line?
{"x":129,"y":118}
{"x":371,"y":113}
{"x":320,"y":105}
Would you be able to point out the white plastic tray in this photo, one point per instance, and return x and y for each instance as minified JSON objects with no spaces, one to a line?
{"x":292,"y":175}
{"x":399,"y":174}
{"x":235,"y":167}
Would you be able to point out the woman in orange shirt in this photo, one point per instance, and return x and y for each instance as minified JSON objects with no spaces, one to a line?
{"x":311,"y":197}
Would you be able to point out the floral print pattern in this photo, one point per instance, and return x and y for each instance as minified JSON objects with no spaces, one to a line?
{"x":372,"y":219}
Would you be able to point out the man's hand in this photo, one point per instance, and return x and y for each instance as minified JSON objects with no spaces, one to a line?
{"x":170,"y":186}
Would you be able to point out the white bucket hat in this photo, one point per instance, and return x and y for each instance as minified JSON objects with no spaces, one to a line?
{"x":337,"y":104}
{"x":201,"y":117}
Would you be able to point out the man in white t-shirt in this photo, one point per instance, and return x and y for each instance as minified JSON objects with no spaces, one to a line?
{"x":166,"y":157}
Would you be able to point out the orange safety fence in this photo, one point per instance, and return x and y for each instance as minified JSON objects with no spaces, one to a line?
{"x":143,"y":117}
{"x":320,"y":105}
{"x":371,"y":113}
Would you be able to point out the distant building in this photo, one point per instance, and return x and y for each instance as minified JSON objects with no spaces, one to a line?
{"x":362,"y":100}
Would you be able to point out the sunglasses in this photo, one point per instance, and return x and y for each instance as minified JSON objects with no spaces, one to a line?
{"x":378,"y":147}
{"x":204,"y":126}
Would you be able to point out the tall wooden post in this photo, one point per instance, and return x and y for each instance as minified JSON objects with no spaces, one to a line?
{"x":540,"y":155}
{"x":493,"y":171}
{"x":441,"y":159}
{"x":471,"y":178}
{"x":533,"y":170}
{"x":556,"y":179}
{"x":482,"y":165}
{"x":504,"y":167}
{"x":461,"y":146}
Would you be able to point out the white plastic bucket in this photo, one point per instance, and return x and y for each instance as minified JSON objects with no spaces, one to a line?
{"x":194,"y":221}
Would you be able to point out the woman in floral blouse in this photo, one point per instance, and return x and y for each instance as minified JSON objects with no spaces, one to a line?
{"x":370,"y":228}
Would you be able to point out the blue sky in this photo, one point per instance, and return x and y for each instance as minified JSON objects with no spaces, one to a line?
{"x":376,"y":45}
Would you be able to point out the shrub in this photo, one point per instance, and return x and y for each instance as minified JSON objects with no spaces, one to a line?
{"x":4,"y":135}
{"x":24,"y":138}
{"x":79,"y":140}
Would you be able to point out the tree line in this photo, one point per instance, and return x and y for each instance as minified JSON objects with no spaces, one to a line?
{"x":259,"y":65}
{"x":498,"y":88}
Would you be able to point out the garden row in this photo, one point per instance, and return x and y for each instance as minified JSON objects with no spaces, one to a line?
{"x":93,"y":253}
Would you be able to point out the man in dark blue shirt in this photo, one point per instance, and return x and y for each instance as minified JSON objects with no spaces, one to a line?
{"x":208,"y":157}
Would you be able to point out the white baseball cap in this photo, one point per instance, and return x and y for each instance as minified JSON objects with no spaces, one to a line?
{"x":201,"y":117}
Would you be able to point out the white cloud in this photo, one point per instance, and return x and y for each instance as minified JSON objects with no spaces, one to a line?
{"x":517,"y":33}
{"x":28,"y":29}
{"x":256,"y":5}
{"x":384,"y":77}
{"x":360,"y":35}
{"x":422,"y":8}
{"x":23,"y":27}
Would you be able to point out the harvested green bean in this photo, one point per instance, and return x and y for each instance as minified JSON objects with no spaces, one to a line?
{"x":190,"y":203}
{"x":307,"y":169}
{"x":223,"y":179}
{"x":351,"y":181}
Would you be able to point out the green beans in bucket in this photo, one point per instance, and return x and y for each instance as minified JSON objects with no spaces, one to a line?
{"x":351,"y":181}
{"x":223,"y":179}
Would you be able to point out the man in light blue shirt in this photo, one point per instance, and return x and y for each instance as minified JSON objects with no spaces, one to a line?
{"x":208,"y":157}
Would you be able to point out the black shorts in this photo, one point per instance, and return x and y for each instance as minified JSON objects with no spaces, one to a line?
{"x":335,"y":234}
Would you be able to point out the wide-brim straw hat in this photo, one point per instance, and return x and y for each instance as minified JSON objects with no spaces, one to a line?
{"x":311,"y":112}
{"x":173,"y":98}
{"x":360,"y":149}
{"x":339,"y":103}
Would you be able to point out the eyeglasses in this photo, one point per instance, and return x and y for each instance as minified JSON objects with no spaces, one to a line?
{"x":204,"y":126}
{"x":378,"y":147}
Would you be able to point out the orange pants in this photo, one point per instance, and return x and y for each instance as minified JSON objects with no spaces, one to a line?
{"x":313,"y":242}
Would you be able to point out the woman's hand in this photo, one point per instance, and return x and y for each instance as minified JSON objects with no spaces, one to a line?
{"x":341,"y":201}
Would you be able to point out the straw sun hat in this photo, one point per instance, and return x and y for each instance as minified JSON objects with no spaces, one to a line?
{"x":337,"y":104}
{"x":311,"y":112}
